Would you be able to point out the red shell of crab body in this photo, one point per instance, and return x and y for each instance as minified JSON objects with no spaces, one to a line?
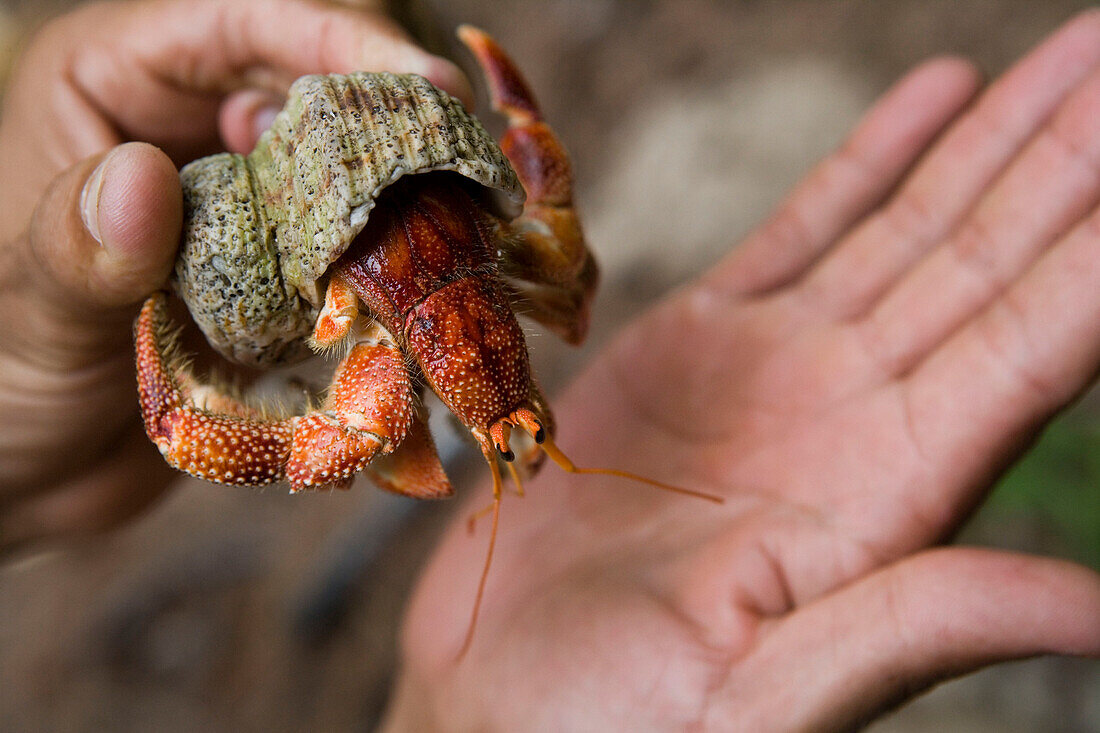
{"x":425,"y":268}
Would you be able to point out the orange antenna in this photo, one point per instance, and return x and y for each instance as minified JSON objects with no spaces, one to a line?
{"x":515,"y":478}
{"x":488,"y":558}
{"x":567,"y":465}
{"x":500,"y":434}
{"x":531,"y":423}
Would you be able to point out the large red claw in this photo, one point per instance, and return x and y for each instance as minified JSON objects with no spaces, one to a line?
{"x":545,"y":258}
{"x":534,"y":150}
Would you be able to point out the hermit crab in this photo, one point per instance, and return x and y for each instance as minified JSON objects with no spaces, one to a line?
{"x":377,"y":220}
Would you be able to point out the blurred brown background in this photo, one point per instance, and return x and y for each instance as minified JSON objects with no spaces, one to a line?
{"x":228,"y":609}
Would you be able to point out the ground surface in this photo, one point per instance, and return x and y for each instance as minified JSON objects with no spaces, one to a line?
{"x":231,"y":609}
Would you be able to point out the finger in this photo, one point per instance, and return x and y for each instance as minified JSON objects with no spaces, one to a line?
{"x":981,"y":396}
{"x":846,"y":185}
{"x":103,"y":236}
{"x":157,"y":71}
{"x":106,"y":232}
{"x":131,"y":477}
{"x":927,"y":618}
{"x":217,"y":47}
{"x":958,"y":171}
{"x":68,"y":302}
{"x":245,"y":115}
{"x":1053,"y":182}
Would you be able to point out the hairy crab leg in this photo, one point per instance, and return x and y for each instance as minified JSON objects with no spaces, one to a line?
{"x":546,"y":259}
{"x":369,"y":411}
{"x":233,"y":446}
{"x":414,"y":468}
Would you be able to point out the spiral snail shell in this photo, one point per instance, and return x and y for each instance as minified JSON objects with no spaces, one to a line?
{"x":260,"y":230}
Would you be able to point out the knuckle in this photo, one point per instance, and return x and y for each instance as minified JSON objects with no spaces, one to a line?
{"x":789,"y":228}
{"x":995,"y":118}
{"x":974,"y":248}
{"x":908,"y":216}
{"x":847,"y":168}
{"x":1014,"y":352}
{"x":1070,"y":144}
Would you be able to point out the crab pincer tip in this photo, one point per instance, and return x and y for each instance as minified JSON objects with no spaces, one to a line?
{"x":508,"y":90}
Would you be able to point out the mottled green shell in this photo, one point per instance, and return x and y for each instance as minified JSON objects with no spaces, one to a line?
{"x":260,"y":230}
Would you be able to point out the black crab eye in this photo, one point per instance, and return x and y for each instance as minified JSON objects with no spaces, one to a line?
{"x":540,"y":435}
{"x":507,"y":455}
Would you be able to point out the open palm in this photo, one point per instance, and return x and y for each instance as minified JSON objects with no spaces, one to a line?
{"x":852,"y":379}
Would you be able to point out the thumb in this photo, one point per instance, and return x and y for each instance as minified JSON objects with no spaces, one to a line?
{"x":105,"y":233}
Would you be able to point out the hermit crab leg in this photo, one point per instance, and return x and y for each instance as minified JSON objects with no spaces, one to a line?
{"x":407,"y":461}
{"x":337,"y":317}
{"x":414,"y":468}
{"x":231,"y":446}
{"x":545,"y":257}
{"x":368,"y":412}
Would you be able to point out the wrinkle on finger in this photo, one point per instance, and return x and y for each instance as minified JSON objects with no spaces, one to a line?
{"x":125,"y":484}
{"x":218,"y":47}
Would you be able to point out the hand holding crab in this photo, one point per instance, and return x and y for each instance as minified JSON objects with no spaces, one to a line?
{"x":81,"y":244}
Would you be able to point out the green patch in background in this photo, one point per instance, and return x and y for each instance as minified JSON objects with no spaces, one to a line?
{"x":1049,"y":502}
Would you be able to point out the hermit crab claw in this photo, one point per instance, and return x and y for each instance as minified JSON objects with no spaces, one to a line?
{"x":544,"y":255}
{"x":368,"y":421}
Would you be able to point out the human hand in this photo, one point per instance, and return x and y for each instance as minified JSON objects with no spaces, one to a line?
{"x":852,"y":379}
{"x":90,"y":222}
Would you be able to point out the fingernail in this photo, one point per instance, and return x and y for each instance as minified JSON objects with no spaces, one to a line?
{"x":89,"y":198}
{"x":263,"y":118}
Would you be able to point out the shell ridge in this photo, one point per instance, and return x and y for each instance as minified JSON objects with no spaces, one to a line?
{"x":270,"y":244}
{"x":225,"y":272}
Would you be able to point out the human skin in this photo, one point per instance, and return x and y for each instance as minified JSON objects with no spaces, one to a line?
{"x":851,"y":379}
{"x":145,"y":87}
